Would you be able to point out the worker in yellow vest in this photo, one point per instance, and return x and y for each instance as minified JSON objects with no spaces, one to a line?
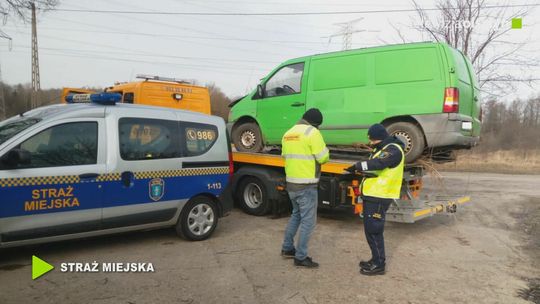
{"x":304,"y":151}
{"x":386,"y":162}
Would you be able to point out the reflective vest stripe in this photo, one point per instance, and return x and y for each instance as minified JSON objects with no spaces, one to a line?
{"x":299,"y":180}
{"x":298,"y":156}
{"x":322,"y":154}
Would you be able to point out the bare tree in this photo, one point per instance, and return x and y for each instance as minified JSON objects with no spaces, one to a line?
{"x":21,"y":8}
{"x":219,"y":101}
{"x":479,"y":31}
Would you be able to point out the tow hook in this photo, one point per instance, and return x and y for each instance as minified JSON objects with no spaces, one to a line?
{"x":451,"y":208}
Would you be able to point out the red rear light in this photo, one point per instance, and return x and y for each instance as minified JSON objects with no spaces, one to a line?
{"x":231,"y":166}
{"x":451,"y":100}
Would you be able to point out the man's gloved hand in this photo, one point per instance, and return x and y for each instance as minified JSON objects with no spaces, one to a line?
{"x":351,"y":169}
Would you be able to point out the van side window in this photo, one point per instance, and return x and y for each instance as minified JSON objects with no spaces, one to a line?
{"x":142,"y":138}
{"x":286,"y":81}
{"x":199,"y":138}
{"x":69,"y":144}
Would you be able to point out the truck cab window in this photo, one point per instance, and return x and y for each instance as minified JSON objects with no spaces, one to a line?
{"x":286,"y":81}
{"x":129,"y":97}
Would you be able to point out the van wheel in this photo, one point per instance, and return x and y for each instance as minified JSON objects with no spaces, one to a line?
{"x":198,"y":219}
{"x":411,"y":136}
{"x":253,"y":196}
{"x":247,"y":138}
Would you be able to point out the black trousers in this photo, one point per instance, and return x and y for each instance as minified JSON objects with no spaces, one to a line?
{"x":374,"y":219}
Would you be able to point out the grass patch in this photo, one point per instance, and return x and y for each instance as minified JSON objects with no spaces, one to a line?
{"x":508,"y":161}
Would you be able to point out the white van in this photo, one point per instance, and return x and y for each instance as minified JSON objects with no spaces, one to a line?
{"x":78,"y":170}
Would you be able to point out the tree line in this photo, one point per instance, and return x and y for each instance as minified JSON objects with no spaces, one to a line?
{"x":511,"y":125}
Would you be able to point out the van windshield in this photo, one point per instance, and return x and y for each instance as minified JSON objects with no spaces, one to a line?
{"x":11,"y":127}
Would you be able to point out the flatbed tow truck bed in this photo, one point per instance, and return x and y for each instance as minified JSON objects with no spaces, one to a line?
{"x":258,"y":185}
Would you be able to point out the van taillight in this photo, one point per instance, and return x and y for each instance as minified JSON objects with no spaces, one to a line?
{"x":451,"y":100}
{"x":231,"y":166}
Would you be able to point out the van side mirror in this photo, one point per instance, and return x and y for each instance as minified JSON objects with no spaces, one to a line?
{"x":260,"y":92}
{"x":16,"y":157}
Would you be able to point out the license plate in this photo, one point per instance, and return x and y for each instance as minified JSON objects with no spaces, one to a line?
{"x":466,"y":125}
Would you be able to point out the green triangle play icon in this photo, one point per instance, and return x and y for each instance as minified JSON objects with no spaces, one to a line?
{"x":40,"y":267}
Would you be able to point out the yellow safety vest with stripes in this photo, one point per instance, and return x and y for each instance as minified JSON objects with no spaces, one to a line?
{"x":387,"y":184}
{"x":304,"y":150}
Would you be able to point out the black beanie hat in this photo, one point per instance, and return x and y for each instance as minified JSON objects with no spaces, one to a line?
{"x":313,"y":116}
{"x":377,"y":132}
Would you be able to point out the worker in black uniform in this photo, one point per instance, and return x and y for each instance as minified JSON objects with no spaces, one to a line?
{"x":378,"y":192}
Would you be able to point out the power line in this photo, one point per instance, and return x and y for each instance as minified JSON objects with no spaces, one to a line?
{"x":218,"y":69}
{"x":182,"y":36}
{"x":204,"y":59}
{"x":276,"y":13}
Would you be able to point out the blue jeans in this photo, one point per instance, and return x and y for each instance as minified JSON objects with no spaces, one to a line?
{"x":304,"y":216}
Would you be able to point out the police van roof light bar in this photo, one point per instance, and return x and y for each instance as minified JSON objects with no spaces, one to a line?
{"x":106,"y":99}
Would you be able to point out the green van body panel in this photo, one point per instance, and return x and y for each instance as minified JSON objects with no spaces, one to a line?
{"x":357,"y":88}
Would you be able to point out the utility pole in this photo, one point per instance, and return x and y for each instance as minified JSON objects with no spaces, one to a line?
{"x":35,"y":62}
{"x":346,"y":31}
{"x":3,"y":110}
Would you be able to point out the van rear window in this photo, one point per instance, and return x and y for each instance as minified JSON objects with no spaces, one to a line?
{"x":199,"y":138}
{"x":142,"y":138}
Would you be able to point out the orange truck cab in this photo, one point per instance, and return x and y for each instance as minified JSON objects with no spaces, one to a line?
{"x":158,"y":91}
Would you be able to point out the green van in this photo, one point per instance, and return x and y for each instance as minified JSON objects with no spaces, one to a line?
{"x":424,"y":93}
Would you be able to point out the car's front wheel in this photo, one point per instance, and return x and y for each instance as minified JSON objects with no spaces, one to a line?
{"x":247,"y":137}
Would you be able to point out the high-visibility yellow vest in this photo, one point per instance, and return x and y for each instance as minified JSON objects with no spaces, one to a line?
{"x":387,"y":184}
{"x":304,"y":150}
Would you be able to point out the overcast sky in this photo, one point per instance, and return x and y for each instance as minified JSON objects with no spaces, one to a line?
{"x":96,"y":49}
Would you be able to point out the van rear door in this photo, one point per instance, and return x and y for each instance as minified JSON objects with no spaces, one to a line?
{"x":463,"y":82}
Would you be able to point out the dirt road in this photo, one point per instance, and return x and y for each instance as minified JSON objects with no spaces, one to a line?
{"x":488,"y":253}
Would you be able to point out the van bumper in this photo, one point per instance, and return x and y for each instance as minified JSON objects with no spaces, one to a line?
{"x":448,"y":130}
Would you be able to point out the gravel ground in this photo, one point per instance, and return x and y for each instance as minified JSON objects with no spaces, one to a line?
{"x":488,"y":252}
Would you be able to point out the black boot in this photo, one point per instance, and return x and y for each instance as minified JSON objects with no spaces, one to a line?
{"x":307,"y":262}
{"x":288,"y":254}
{"x":365,"y":264}
{"x":373,"y":269}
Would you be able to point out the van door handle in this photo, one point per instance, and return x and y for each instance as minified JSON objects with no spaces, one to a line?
{"x":475,"y":98}
{"x":297,"y":104}
{"x":88,"y":175}
{"x":127,"y":178}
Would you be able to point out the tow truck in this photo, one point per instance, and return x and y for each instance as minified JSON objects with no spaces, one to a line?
{"x":258,"y":186}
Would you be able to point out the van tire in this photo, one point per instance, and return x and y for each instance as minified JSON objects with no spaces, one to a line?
{"x":253,"y":196}
{"x":247,"y":137}
{"x":195,"y":210}
{"x":412,"y":137}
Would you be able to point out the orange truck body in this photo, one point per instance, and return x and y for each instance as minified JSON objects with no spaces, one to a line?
{"x":169,"y":94}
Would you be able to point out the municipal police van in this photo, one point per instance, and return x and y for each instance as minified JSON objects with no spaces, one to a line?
{"x":78,"y":170}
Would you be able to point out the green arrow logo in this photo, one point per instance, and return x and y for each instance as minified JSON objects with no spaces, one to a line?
{"x":40,"y":267}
